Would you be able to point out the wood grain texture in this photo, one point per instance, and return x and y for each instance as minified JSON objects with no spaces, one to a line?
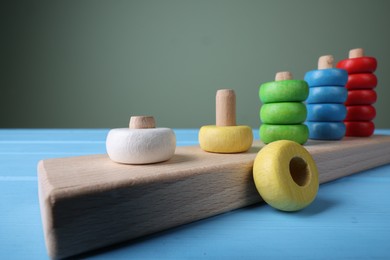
{"x":89,"y":202}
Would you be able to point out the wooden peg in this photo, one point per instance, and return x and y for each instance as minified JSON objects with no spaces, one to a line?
{"x":325,"y":62}
{"x":225,"y":101}
{"x":283,"y":75}
{"x":225,"y":136}
{"x":356,"y":53}
{"x":140,"y":122}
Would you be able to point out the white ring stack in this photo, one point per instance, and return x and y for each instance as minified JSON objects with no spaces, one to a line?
{"x":141,"y":143}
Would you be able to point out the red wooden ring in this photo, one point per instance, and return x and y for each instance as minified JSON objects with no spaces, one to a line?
{"x":361,"y":97}
{"x":360,"y":113}
{"x":358,"y":65}
{"x":361,"y":81}
{"x":359,"y":129}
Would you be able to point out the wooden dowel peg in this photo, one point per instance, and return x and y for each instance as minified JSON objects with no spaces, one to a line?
{"x":225,"y":136}
{"x":283,"y":75}
{"x":140,"y":122}
{"x":225,"y":107}
{"x":356,"y":53}
{"x":325,"y":62}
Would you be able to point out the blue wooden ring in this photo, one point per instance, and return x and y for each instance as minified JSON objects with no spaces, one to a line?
{"x":326,"y":77}
{"x":327,"y":94}
{"x":326,"y":112}
{"x":326,"y":130}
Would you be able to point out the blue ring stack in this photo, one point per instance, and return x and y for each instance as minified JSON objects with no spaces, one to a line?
{"x":325,"y":104}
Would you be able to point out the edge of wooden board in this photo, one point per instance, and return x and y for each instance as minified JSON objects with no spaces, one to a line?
{"x":88,"y":202}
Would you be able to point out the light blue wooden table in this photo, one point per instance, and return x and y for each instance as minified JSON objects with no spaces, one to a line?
{"x":350,"y":219}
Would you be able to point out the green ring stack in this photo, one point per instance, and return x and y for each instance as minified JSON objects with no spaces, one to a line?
{"x":283,"y":112}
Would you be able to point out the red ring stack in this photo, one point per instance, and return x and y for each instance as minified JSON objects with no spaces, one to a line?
{"x":361,"y":93}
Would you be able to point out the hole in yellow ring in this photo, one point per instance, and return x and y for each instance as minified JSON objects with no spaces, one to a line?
{"x":299,"y":171}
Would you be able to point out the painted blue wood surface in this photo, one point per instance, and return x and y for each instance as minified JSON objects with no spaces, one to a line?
{"x":348,"y":220}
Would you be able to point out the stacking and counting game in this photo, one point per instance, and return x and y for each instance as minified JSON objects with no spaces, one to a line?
{"x":146,"y":184}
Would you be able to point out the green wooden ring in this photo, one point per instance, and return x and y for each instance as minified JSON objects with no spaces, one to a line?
{"x":284,"y":91}
{"x":297,"y":133}
{"x":284,"y":113}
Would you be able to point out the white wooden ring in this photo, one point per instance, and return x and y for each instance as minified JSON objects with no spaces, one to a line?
{"x":140,"y":146}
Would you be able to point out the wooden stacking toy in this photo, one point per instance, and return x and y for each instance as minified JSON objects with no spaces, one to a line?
{"x":361,"y":93}
{"x":325,"y":104}
{"x":225,"y":136}
{"x":141,"y":143}
{"x":93,"y":201}
{"x":286,"y":175}
{"x":283,"y":112}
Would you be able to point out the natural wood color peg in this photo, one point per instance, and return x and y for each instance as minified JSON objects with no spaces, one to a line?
{"x":283,"y":75}
{"x":225,"y":102}
{"x":325,"y":62}
{"x":140,"y":122}
{"x":225,"y":136}
{"x":356,"y":53}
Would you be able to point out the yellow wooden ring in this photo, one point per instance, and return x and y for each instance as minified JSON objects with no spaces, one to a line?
{"x":225,"y":139}
{"x":286,"y":175}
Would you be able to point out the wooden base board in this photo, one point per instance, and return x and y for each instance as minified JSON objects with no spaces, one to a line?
{"x":88,"y":202}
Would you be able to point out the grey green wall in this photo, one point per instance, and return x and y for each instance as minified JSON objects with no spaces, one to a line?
{"x":94,"y":63}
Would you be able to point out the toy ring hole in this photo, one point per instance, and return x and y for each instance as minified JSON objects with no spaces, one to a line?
{"x":299,"y":171}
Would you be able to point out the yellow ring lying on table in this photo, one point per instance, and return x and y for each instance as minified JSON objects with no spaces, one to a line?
{"x":286,"y":175}
{"x":225,"y":139}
